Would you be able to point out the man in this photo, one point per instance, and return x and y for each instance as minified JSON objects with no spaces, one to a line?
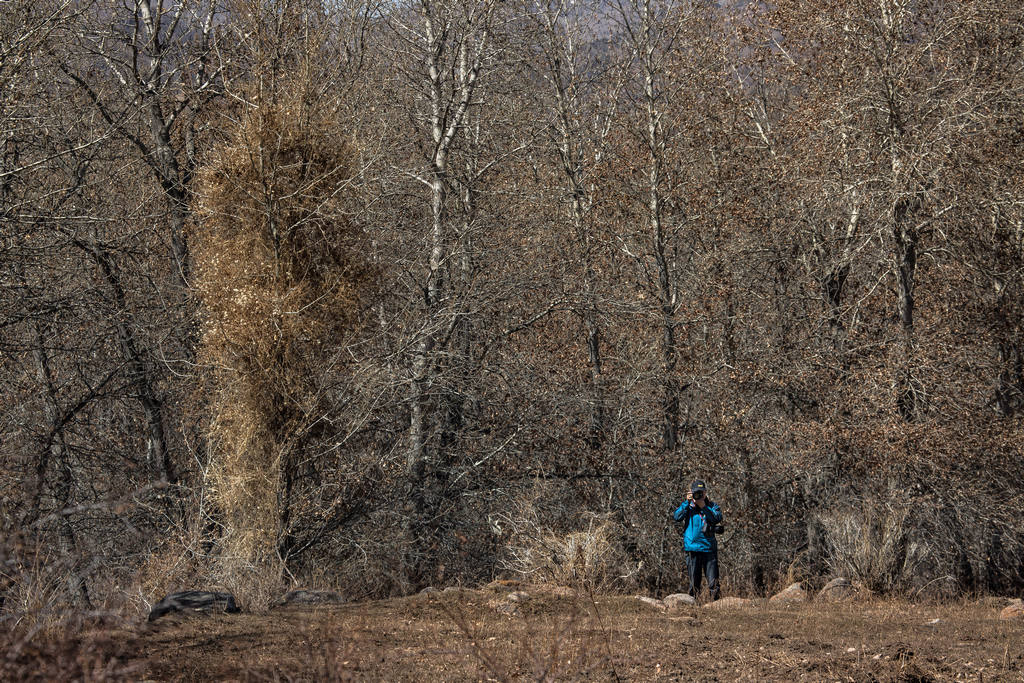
{"x":700,"y":517}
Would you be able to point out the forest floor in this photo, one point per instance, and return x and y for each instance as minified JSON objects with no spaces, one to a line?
{"x":560,"y":635}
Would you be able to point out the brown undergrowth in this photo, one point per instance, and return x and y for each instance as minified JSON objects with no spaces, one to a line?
{"x":69,"y":648}
{"x":563,"y":635}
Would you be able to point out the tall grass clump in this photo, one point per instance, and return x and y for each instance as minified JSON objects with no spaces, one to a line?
{"x":874,"y":546}
{"x":591,"y":558}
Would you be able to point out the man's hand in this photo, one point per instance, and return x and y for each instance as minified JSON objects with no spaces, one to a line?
{"x":689,"y":496}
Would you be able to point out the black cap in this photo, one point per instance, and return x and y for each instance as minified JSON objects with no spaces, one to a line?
{"x":698,"y":485}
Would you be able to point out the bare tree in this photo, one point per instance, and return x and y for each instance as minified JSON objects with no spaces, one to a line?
{"x":150,"y":69}
{"x":447,"y":48}
{"x":653,"y":30}
{"x":579,"y":116}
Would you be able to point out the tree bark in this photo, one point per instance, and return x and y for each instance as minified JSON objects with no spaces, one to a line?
{"x":561,"y":73}
{"x":449,"y":102}
{"x":666,"y":289}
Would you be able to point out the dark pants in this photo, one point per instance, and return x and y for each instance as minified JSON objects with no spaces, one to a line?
{"x":698,"y":563}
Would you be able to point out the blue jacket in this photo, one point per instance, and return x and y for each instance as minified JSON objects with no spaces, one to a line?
{"x":700,"y":525}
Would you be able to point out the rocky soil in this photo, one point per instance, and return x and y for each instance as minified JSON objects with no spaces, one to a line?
{"x":514,"y":632}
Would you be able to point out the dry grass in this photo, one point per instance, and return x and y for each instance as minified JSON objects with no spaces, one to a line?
{"x":592,"y":558}
{"x":279,"y":279}
{"x":563,"y":635}
{"x":873,"y":546}
{"x":70,"y":649}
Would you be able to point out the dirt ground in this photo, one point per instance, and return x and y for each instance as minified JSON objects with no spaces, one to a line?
{"x":561,"y":635}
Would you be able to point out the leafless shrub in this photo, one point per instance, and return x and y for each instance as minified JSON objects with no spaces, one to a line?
{"x":35,"y":587}
{"x":42,"y":636}
{"x":367,"y":561}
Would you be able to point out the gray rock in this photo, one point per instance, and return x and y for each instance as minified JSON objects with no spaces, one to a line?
{"x":194,"y":602}
{"x":653,"y":602}
{"x":518,"y":596}
{"x":838,"y":589}
{"x":304,"y":597}
{"x":678,"y":600}
{"x":792,"y":594}
{"x":430,"y":590}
